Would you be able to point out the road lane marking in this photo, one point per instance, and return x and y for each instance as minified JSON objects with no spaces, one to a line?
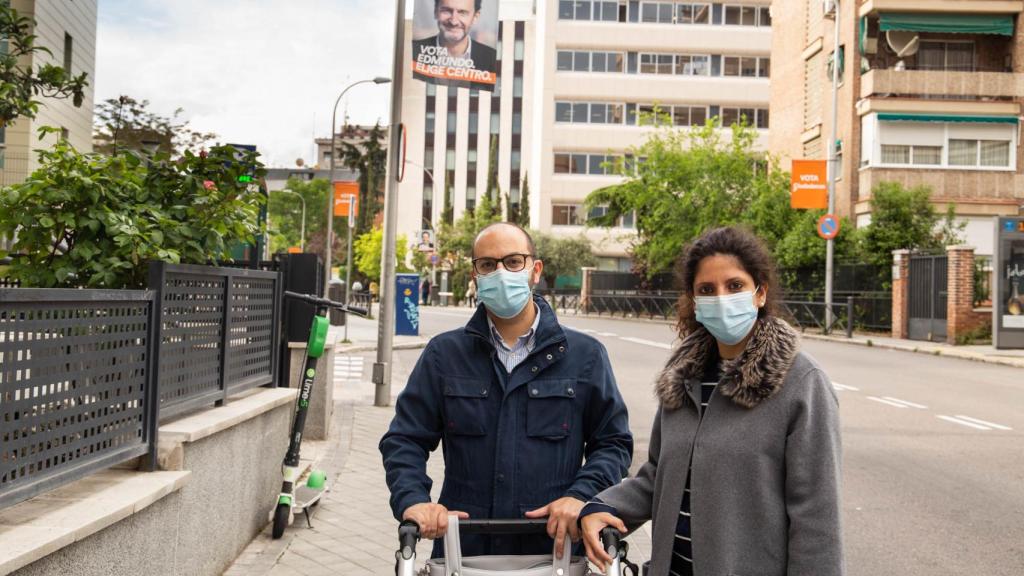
{"x":844,"y":387}
{"x":608,"y":334}
{"x":908,"y":403}
{"x":983,"y":422}
{"x":884,"y":401}
{"x":643,"y":342}
{"x":963,"y":422}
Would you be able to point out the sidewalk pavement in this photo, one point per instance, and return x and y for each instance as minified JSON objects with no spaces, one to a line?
{"x":980,"y":353}
{"x":354,"y":533}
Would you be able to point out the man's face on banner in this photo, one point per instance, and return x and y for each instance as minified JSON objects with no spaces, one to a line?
{"x":454,"y":20}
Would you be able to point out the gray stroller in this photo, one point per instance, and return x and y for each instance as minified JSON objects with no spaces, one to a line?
{"x":453,"y":564}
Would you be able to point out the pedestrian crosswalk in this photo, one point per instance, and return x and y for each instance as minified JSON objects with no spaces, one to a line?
{"x":348,"y":368}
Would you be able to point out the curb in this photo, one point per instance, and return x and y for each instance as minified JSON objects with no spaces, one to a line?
{"x":347,"y":349}
{"x":930,"y":351}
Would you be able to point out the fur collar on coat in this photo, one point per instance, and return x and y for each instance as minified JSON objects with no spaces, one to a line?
{"x":756,"y":375}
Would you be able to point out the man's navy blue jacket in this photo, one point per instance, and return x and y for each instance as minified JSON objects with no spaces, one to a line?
{"x":512,"y":442}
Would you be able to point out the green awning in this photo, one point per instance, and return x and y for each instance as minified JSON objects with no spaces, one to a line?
{"x":999,"y":24}
{"x":901,"y":117}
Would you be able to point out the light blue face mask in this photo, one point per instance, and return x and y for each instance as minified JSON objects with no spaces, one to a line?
{"x":504,"y":293}
{"x":728,"y":318}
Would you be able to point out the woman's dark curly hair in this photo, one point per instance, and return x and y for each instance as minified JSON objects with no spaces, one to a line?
{"x":740,"y":243}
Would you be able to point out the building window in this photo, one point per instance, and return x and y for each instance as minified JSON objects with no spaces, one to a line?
{"x":954,"y":145}
{"x":693,"y":65}
{"x":69,"y":46}
{"x":582,"y":163}
{"x":766,"y":16}
{"x":431,"y":117}
{"x":582,"y":61}
{"x":693,"y":13}
{"x":431,"y":89}
{"x":450,"y":128}
{"x":495,"y":122}
{"x":656,"y":63}
{"x":520,"y":50}
{"x":449,"y":160}
{"x":474,"y":121}
{"x":748,"y":67}
{"x":564,"y":61}
{"x":517,"y":87}
{"x":946,"y":55}
{"x":566,"y":215}
{"x":517,"y":123}
{"x":764,"y":70}
{"x":731,"y":66}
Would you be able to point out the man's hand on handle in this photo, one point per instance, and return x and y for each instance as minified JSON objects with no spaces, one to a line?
{"x":432,"y":518}
{"x":592,"y":524}
{"x":561,"y":515}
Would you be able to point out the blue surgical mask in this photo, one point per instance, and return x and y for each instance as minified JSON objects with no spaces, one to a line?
{"x":504,"y":293}
{"x":728,"y":318}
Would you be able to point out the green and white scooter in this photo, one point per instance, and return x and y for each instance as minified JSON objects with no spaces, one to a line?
{"x":305,"y":497}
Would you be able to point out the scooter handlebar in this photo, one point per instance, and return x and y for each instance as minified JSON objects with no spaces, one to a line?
{"x":310,"y":299}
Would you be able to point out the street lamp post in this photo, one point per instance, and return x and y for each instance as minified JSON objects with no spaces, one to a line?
{"x":302,"y":233}
{"x":833,"y":166}
{"x":330,"y":194}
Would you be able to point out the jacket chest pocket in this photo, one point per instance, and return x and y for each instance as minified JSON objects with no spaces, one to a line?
{"x":549,"y":408}
{"x":465,"y":406}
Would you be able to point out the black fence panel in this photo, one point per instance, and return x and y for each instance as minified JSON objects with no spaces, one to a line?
{"x":218,"y":331}
{"x":627,"y":282}
{"x":77,"y":385}
{"x":5,"y":280}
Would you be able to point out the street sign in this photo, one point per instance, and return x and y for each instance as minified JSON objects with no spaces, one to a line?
{"x":828,"y":226}
{"x":346,"y":198}
{"x":808,"y":185}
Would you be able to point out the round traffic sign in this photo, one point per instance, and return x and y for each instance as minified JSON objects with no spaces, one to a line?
{"x":434,"y":258}
{"x":828,"y":226}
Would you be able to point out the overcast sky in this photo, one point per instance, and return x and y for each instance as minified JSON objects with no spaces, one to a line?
{"x":262,"y":72}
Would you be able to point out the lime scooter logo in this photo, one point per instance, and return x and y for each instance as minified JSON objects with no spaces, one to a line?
{"x":304,"y":401}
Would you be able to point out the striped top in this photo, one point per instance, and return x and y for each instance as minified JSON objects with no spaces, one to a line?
{"x":514,"y":356}
{"x":682,"y":550}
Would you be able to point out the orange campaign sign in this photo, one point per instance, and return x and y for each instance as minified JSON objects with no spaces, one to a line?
{"x":346,"y":197}
{"x":809,"y":185}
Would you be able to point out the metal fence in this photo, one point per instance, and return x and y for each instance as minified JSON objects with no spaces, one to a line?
{"x":77,"y":388}
{"x":813,"y":315}
{"x":5,"y":280}
{"x":602,"y":282}
{"x":871,"y":310}
{"x":632,"y":305}
{"x":218,"y":331}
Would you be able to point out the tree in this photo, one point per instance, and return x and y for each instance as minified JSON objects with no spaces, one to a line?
{"x":523,"y":209}
{"x":492,"y":172}
{"x":124,"y":123}
{"x":448,"y":211}
{"x":904,"y":219}
{"x":562,"y":256}
{"x":689,"y":181}
{"x":20,"y":85}
{"x":94,"y":220}
{"x":286,"y":217}
{"x":367,"y":253}
{"x":369,"y":158}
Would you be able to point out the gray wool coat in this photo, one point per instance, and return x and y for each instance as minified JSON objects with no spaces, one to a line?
{"x":764,"y":486}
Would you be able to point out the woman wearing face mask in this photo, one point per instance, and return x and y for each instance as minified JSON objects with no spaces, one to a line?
{"x":743,"y":471}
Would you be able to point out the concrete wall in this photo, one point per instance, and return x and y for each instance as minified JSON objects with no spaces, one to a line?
{"x":200,"y":529}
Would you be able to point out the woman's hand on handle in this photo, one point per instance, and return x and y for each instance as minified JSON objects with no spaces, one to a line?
{"x":592,"y":524}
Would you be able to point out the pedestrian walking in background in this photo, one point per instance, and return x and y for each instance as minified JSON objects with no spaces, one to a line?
{"x":425,"y":289}
{"x":743,"y":471}
{"x":471,"y":293}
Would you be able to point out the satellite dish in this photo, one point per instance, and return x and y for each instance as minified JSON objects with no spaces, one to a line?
{"x":903,"y":43}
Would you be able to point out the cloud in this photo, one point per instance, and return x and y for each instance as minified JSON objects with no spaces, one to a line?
{"x":252,"y":71}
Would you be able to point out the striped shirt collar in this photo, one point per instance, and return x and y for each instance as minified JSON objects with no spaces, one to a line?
{"x":512,"y":356}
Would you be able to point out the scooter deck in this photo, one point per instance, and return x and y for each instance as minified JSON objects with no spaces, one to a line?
{"x":306,"y":497}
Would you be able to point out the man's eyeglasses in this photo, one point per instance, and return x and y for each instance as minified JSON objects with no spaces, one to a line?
{"x":512,"y":263}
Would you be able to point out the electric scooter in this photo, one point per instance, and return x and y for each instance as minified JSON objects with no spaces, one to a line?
{"x":305,"y":497}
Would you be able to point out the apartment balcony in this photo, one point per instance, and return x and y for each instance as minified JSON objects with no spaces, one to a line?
{"x":868,"y":7}
{"x":991,"y":192}
{"x":942,"y":84}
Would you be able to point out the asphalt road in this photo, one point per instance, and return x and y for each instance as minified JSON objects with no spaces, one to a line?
{"x":933,"y":447}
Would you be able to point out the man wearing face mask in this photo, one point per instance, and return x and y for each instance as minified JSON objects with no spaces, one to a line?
{"x":530,"y":416}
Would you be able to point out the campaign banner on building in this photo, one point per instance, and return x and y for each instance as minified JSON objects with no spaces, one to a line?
{"x":453,"y":43}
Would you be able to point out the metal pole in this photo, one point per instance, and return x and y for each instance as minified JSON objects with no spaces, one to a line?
{"x":832,"y":169}
{"x":348,"y":266}
{"x":386,"y":327}
{"x":330,"y":192}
